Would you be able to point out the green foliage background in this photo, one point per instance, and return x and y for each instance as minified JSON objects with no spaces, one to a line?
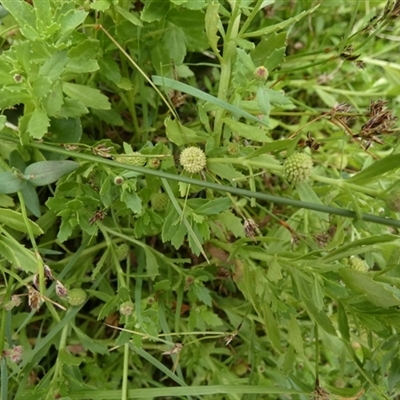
{"x":98,"y":99}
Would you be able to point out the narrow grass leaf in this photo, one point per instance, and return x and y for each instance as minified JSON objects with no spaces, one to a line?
{"x":182,"y":87}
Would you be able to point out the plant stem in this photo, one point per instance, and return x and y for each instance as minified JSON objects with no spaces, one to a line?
{"x":227,"y":60}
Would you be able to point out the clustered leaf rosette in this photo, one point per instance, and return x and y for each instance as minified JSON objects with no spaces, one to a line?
{"x":297,"y":168}
{"x":193,"y":160}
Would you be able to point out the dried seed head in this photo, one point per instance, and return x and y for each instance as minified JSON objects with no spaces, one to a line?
{"x":35,"y":300}
{"x":76,"y":297}
{"x":250,"y":228}
{"x":61,"y":290}
{"x":176,"y":349}
{"x":297,"y":168}
{"x":14,"y":354}
{"x":126,"y":308}
{"x":193,"y":160}
{"x":48,"y":272}
{"x":14,"y":302}
{"x":102,"y":150}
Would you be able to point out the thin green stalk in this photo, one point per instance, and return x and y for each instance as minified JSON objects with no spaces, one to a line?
{"x":125,"y":372}
{"x":227,"y":60}
{"x":59,"y":363}
{"x":214,"y":186}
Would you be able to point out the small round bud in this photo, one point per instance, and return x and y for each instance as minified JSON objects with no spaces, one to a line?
{"x":297,"y":168}
{"x":154,"y":163}
{"x":135,"y":159}
{"x":119,"y":180}
{"x":159,"y":201}
{"x":193,"y":160}
{"x":233,"y":148}
{"x":18,"y":78}
{"x":122,"y":251}
{"x":126,"y":308}
{"x":358,"y":264}
{"x":76,"y":297}
{"x":261,"y":73}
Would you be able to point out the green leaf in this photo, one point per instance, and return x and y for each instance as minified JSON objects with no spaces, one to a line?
{"x":182,"y":87}
{"x":151,"y":263}
{"x":280,"y":25}
{"x":46,"y":172}
{"x":225,"y":171}
{"x":377,"y":169}
{"x":89,"y":343}
{"x":343,"y":323}
{"x":31,"y":200}
{"x":101,"y":5}
{"x":65,"y":130}
{"x":129,"y":16}
{"x":212,"y":24}
{"x":18,"y":254}
{"x":175,"y":42}
{"x":25,"y":16}
{"x":308,"y":195}
{"x":132,"y":200}
{"x":15,"y":220}
{"x":215,"y":206}
{"x":88,"y":96}
{"x":378,"y":293}
{"x":54,"y":66}
{"x":180,"y":134}
{"x":270,"y":51}
{"x":154,"y":10}
{"x":247,"y":131}
{"x":38,"y":123}
{"x":10,"y":182}
{"x":69,"y":21}
{"x":295,"y":336}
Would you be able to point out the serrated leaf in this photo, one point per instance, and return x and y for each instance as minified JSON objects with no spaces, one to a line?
{"x":132,"y":200}
{"x":38,"y":123}
{"x":89,"y":344}
{"x":378,"y":293}
{"x":71,"y":20}
{"x":225,"y":171}
{"x":88,"y":96}
{"x":15,"y":220}
{"x":175,"y":42}
{"x":212,"y":22}
{"x":247,"y":131}
{"x":295,"y":336}
{"x":54,"y":66}
{"x":46,"y":172}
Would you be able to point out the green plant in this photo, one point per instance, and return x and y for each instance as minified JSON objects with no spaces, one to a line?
{"x":146,"y":151}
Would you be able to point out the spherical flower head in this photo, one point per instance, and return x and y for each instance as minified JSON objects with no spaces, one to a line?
{"x":261,"y":73}
{"x":135,"y":159}
{"x":76,"y":297}
{"x":119,"y":180}
{"x":159,"y":201}
{"x":154,"y":163}
{"x":233,"y":148}
{"x":297,"y":168}
{"x":122,"y":251}
{"x":193,"y":160}
{"x":126,"y":308}
{"x":357,"y":264}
